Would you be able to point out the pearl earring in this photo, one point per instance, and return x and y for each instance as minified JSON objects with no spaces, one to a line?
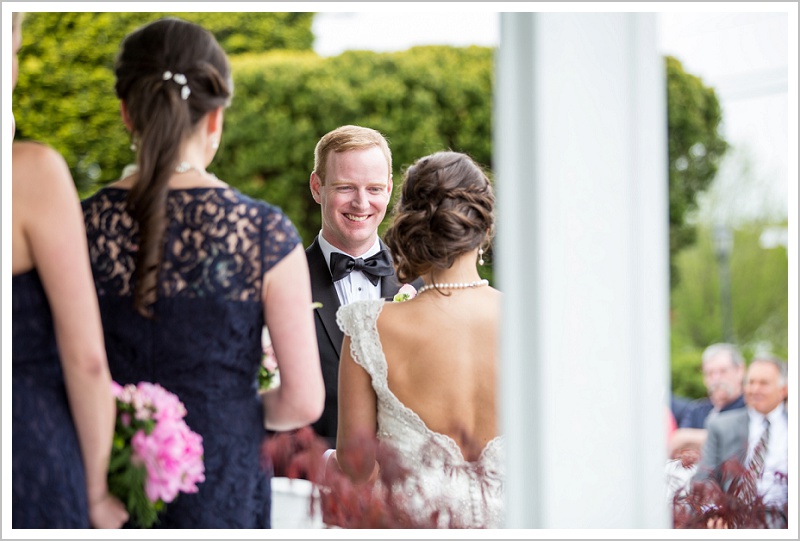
{"x":480,"y":256}
{"x":214,"y":143}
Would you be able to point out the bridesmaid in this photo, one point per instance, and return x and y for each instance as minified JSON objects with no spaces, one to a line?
{"x":63,"y":410}
{"x":189,"y":270}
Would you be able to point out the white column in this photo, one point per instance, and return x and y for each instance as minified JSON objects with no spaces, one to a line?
{"x":581,"y":176}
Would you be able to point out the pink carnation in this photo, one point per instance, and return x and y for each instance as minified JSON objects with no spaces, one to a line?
{"x":173,"y":456}
{"x":166,"y":405}
{"x":268,"y":360}
{"x":171,"y":453}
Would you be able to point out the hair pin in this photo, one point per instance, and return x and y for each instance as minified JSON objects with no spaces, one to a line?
{"x":180,"y":79}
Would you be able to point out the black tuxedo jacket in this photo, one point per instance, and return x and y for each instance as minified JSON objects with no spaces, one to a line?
{"x":329,"y":336}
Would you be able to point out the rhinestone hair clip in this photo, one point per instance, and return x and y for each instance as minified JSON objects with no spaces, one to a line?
{"x":179,"y":78}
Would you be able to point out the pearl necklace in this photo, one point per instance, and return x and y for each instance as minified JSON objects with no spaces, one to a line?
{"x":183,"y":167}
{"x":454,"y":285}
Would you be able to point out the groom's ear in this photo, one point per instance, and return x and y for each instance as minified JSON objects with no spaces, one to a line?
{"x":315,"y":184}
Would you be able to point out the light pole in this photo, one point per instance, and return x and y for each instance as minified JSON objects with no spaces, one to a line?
{"x":723,"y":243}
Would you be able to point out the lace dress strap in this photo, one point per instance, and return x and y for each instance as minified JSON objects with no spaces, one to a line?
{"x":359,"y":321}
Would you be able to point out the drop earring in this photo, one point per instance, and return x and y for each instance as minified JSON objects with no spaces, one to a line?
{"x":480,"y":256}
{"x":214,"y":143}
{"x":134,"y":146}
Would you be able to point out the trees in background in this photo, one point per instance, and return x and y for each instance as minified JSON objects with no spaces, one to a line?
{"x":695,"y":151}
{"x":65,"y":93}
{"x":759,"y":288}
{"x":423,"y":99}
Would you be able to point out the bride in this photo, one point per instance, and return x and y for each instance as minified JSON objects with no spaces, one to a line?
{"x":421,"y":375}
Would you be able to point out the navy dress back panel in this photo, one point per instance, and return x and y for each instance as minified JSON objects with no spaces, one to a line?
{"x":48,"y":482}
{"x":203,"y":342}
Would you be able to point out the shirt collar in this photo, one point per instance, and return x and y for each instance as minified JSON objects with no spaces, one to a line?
{"x":328,"y":248}
{"x":772,"y":416}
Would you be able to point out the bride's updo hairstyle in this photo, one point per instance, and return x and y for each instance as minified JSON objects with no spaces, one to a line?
{"x":446,"y":209}
{"x":169,"y":73}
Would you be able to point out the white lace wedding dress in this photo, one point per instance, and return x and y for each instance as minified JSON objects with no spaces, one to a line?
{"x":465,"y":494}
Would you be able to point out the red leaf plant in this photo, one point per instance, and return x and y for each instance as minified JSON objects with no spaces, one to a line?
{"x":381,"y":502}
{"x":727,"y":499}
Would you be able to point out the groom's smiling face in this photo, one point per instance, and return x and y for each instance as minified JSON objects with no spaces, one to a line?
{"x":353,"y":198}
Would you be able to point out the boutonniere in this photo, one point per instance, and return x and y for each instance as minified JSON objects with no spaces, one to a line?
{"x":406,"y":292}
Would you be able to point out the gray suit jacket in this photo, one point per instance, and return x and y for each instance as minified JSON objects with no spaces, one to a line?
{"x":727,"y":438}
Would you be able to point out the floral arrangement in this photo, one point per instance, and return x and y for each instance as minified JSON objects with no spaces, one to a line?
{"x":268,"y":376}
{"x":405,"y":293}
{"x":155,"y":455}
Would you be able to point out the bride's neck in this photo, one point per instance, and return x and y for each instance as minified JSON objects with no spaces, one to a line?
{"x":464,"y":269}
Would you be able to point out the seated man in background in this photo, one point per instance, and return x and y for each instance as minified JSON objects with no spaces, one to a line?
{"x":723,"y":374}
{"x":757,"y":438}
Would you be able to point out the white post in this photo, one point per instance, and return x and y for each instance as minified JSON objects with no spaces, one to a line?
{"x":581,"y":175}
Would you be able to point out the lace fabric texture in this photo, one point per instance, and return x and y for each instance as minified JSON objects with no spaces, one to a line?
{"x":466,"y":494}
{"x":204,"y":341}
{"x":48,"y":484}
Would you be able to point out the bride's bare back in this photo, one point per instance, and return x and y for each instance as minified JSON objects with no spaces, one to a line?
{"x":441,"y":353}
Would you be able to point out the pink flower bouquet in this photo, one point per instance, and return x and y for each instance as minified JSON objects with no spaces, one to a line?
{"x":155,"y":454}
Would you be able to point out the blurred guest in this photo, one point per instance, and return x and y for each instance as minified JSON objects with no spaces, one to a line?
{"x":756,"y":437}
{"x":62,"y":406}
{"x":723,"y":370}
{"x":679,"y":405}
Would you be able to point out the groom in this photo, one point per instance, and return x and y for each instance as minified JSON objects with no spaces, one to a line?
{"x":352,"y":182}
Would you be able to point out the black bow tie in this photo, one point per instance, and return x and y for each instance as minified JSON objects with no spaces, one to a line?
{"x":373,"y":267}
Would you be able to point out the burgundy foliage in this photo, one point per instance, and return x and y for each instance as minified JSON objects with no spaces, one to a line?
{"x":377,"y":503}
{"x":727,"y":499}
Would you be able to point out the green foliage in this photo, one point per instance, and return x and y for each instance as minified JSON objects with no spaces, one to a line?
{"x":248,"y":32}
{"x":286,"y":97}
{"x":126,"y":479}
{"x":760,"y":302}
{"x":695,"y":150}
{"x":686,"y":369}
{"x":423,"y":100}
{"x":65,"y":94}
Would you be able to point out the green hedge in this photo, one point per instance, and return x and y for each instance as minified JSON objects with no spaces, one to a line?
{"x":423,"y":100}
{"x":65,"y":94}
{"x":286,"y":97}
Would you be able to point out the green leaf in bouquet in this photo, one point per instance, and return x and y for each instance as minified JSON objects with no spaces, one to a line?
{"x":127,"y":484}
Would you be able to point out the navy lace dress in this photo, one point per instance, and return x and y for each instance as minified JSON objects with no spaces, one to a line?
{"x":204,"y":341}
{"x":48,"y":483}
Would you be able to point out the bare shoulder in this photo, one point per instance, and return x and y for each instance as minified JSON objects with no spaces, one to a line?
{"x":393,"y":311}
{"x":44,"y":155}
{"x":37,"y":166}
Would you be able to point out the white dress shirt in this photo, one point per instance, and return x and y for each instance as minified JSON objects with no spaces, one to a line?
{"x":355,"y":286}
{"x":776,"y":459}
